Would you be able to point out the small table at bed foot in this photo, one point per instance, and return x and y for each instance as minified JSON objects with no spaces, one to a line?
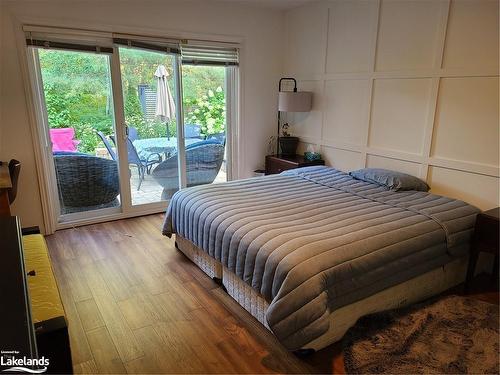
{"x":486,"y":238}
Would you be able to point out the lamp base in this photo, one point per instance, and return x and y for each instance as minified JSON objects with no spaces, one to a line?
{"x":288,"y":145}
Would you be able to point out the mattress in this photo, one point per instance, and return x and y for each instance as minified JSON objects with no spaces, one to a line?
{"x":312,"y":240}
{"x":414,"y":290}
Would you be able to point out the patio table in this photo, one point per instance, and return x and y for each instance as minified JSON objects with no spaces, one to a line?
{"x":160,"y":145}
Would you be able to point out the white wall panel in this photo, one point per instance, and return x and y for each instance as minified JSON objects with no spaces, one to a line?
{"x":308,"y":123}
{"x":391,"y":101}
{"x":465,"y":186}
{"x":350,"y":33}
{"x":343,"y":160}
{"x":346,"y":103}
{"x":399,"y":112}
{"x":466,"y":125}
{"x":306,"y":47}
{"x":408,"y":34}
{"x":472,"y":37}
{"x":374,"y":161}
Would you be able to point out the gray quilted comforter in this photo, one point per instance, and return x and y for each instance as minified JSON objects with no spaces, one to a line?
{"x":314,"y":239}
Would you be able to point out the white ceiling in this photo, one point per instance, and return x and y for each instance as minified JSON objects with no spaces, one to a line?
{"x":272,"y":4}
{"x":282,"y":5}
{"x":275,"y":4}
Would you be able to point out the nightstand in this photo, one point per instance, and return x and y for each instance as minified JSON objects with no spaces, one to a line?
{"x":279,"y":163}
{"x":486,"y":238}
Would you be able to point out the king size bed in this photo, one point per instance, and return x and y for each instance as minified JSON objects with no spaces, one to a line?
{"x":309,"y":251}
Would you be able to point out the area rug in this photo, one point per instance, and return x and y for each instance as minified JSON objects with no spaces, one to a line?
{"x":452,"y":335}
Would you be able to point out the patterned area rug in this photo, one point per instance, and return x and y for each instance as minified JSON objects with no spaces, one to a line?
{"x":452,"y":335}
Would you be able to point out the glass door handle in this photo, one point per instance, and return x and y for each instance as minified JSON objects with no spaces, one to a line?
{"x":125,"y":132}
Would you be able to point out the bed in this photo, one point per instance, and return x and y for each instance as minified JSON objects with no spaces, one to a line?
{"x":309,"y":251}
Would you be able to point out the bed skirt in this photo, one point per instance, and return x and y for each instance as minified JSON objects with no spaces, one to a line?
{"x":341,"y":319}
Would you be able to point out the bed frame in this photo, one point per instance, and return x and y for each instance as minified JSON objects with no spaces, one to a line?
{"x":411,"y":291}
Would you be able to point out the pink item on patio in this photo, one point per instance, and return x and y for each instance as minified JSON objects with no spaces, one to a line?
{"x":62,"y":139}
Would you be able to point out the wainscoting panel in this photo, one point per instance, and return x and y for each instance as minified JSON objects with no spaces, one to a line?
{"x":409,"y":85}
{"x":304,"y":57}
{"x":466,"y":125}
{"x":309,"y":123}
{"x":472,"y":37}
{"x":351,"y":26}
{"x":399,"y":111}
{"x":374,"y":161}
{"x":346,"y":103}
{"x":343,"y":160}
{"x":476,"y":189}
{"x":408,"y":32}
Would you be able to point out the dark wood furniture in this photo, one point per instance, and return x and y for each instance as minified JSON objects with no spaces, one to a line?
{"x":279,"y":163}
{"x":20,"y":332}
{"x":16,"y":327}
{"x":51,"y":328}
{"x":5,"y":186}
{"x":486,"y":239}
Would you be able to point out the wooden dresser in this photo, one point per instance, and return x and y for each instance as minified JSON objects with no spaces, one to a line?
{"x":5,"y":185}
{"x":279,"y":163}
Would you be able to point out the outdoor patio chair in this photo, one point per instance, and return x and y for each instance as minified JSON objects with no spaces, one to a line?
{"x":203,"y":162}
{"x":86,"y":182}
{"x":107,"y":145}
{"x":220,"y":137}
{"x":143,"y":165}
{"x":133,"y":134}
{"x":192,"y":131}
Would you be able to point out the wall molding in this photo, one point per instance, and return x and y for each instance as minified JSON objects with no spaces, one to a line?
{"x":434,"y":74}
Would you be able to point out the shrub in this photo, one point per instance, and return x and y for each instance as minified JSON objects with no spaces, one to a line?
{"x":209,"y":111}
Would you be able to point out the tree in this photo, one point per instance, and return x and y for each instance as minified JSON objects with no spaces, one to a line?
{"x":78,"y":93}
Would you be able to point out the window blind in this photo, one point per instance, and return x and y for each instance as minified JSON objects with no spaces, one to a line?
{"x":67,"y":46}
{"x":169,"y":48}
{"x":67,"y":39}
{"x":204,"y":55}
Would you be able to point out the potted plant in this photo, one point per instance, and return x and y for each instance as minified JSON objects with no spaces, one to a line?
{"x":288,"y":143}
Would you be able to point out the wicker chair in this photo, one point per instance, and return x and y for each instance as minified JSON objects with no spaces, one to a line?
{"x":203,"y":162}
{"x":86,"y":182}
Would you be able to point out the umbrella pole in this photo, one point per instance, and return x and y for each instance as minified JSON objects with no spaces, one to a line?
{"x":168,"y":130}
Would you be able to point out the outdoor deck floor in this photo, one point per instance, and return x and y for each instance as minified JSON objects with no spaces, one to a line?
{"x":150,"y":191}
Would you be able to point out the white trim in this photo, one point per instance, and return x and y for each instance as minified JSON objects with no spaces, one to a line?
{"x":113,"y":216}
{"x":231,"y":89}
{"x":44,"y":165}
{"x":179,"y":115}
{"x":119,"y":125}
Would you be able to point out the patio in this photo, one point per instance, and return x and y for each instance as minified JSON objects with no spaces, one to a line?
{"x":150,"y":191}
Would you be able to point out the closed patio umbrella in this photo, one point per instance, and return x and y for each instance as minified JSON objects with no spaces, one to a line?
{"x":165,"y":106}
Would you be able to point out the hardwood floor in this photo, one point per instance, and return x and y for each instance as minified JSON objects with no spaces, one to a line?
{"x":137,"y":305}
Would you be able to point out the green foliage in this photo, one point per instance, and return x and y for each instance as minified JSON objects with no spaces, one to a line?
{"x":78,"y":94}
{"x":209,"y":111}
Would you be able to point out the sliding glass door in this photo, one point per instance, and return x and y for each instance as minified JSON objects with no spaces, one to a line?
{"x":150,"y":103}
{"x":78,"y":100}
{"x":149,"y":81}
{"x":205,"y":93}
{"x":127,"y":124}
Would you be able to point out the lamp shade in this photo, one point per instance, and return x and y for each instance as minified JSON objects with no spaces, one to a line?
{"x":294,"y":101}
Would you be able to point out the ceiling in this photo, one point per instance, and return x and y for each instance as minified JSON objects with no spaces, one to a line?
{"x":275,"y":4}
{"x":272,"y":4}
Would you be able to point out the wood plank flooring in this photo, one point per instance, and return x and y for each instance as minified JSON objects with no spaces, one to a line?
{"x":137,"y":305}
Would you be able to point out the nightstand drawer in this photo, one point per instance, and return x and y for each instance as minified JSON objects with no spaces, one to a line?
{"x":279,"y":163}
{"x":278,"y":166}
